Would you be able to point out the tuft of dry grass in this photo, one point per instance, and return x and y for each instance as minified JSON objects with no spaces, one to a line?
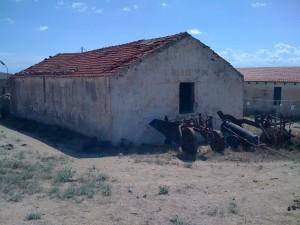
{"x":163,"y":190}
{"x":232,"y":207}
{"x":64,"y":175}
{"x":33,"y":216}
{"x":177,"y":221}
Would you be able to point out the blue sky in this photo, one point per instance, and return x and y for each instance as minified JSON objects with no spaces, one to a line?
{"x":245,"y":32}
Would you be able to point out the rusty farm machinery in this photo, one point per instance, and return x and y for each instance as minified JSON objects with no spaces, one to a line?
{"x":190,"y":133}
{"x":274,"y":130}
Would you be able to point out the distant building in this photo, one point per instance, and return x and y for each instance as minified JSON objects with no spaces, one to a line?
{"x":113,"y":93}
{"x":272,"y":90}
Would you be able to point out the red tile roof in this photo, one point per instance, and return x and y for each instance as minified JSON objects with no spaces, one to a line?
{"x":99,"y":62}
{"x":271,"y":74}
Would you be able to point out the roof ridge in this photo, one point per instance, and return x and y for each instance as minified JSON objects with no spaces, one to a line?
{"x":127,"y":43}
{"x":139,"y":41}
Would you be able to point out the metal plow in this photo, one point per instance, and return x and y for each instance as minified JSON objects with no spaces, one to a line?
{"x":275,"y":130}
{"x":190,"y":133}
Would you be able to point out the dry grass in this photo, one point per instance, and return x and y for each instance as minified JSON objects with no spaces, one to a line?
{"x":64,"y":175}
{"x":33,"y":216}
{"x":86,"y":186}
{"x":232,"y":207}
{"x":163,"y":190}
{"x":21,"y":176}
{"x":177,"y":221}
{"x":18,"y":178}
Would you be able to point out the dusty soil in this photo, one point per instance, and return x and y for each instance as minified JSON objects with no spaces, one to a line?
{"x":255,"y":187}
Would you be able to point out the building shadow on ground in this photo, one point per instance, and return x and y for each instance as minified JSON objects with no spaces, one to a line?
{"x":75,"y":144}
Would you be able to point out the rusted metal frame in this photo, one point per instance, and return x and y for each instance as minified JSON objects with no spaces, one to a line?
{"x":181,"y":132}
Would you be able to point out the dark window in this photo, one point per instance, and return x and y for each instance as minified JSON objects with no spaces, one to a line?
{"x":186,"y":97}
{"x":277,"y":96}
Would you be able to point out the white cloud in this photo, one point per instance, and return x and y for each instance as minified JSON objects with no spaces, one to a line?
{"x":43,"y":28}
{"x":7,"y":20}
{"x":97,"y":11}
{"x":60,"y":3}
{"x":79,"y":6}
{"x":164,"y":4}
{"x":194,"y":31}
{"x":126,"y":9}
{"x":280,"y":54}
{"x":258,"y":4}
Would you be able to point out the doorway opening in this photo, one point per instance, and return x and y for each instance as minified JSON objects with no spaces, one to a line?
{"x":186,"y":97}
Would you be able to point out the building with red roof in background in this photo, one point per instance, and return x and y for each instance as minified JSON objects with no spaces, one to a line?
{"x":272,"y":90}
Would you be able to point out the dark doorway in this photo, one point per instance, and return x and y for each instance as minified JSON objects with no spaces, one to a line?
{"x":277,"y":96}
{"x":186,"y":97}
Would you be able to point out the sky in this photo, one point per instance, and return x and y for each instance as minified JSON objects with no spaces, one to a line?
{"x":247,"y":33}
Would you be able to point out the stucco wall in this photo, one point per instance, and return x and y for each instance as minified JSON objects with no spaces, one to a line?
{"x":150,"y":89}
{"x":259,"y":98}
{"x":78,"y":103}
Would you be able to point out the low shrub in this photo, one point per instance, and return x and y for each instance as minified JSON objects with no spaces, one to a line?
{"x":64,"y":175}
{"x":163,"y":190}
{"x":177,"y":221}
{"x":33,"y":216}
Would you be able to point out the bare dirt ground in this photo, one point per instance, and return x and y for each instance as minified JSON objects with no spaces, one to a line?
{"x":141,"y":185}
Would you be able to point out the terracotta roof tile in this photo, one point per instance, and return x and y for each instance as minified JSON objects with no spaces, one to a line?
{"x":271,"y":74}
{"x":99,"y":62}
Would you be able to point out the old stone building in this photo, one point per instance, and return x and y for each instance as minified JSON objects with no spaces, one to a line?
{"x":272,"y":90}
{"x":113,"y":93}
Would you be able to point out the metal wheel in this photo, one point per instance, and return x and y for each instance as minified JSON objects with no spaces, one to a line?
{"x":189,"y":144}
{"x":216,"y":142}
